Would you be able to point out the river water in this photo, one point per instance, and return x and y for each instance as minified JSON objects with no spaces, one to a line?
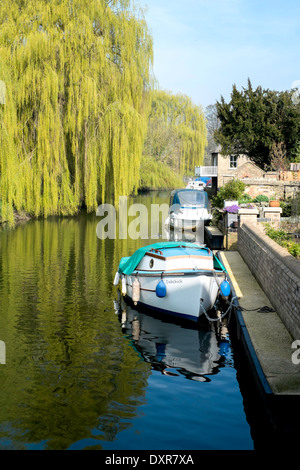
{"x":81,"y":370}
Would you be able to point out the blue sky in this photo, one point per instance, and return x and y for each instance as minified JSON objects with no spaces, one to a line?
{"x":203,"y":47}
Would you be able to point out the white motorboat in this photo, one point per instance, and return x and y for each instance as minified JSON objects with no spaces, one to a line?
{"x":185,"y":236}
{"x":200,"y":185}
{"x":189,"y":209}
{"x":177,"y":278}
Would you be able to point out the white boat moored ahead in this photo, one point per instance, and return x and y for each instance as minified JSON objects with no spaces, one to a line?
{"x":189,"y":209}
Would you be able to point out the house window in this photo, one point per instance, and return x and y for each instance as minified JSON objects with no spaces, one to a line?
{"x":233,"y":161}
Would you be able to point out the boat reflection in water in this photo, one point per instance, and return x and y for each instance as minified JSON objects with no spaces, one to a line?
{"x":174,"y":348}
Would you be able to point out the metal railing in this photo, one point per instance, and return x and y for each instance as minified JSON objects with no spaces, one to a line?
{"x":206,"y":170}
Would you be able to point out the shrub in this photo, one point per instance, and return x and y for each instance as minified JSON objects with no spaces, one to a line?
{"x":292,"y":247}
{"x":245,"y":199}
{"x":283,"y":239}
{"x":276,"y":235}
{"x":231,"y":190}
{"x":291,"y":206}
{"x":261,"y":198}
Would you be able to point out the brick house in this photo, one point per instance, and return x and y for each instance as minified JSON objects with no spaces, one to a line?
{"x":234,"y":166}
{"x":222,"y":168}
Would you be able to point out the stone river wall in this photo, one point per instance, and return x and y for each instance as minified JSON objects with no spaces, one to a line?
{"x":277,"y":272}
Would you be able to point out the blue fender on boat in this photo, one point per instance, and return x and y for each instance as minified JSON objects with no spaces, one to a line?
{"x":225,"y":288}
{"x":161,"y":289}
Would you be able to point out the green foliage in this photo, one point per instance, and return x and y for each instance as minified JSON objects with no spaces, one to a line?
{"x":286,"y":209}
{"x":283,"y":239}
{"x":254,"y":120}
{"x":261,"y":198}
{"x":232,"y":190}
{"x":293,"y":248}
{"x":295,"y":154}
{"x":157,"y":175}
{"x":73,"y":124}
{"x":244,"y":199}
{"x":176,"y":132}
{"x":276,"y":235}
{"x":291,"y":206}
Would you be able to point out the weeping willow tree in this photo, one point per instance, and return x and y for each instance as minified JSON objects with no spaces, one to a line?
{"x":176,"y":132}
{"x":72,"y":125}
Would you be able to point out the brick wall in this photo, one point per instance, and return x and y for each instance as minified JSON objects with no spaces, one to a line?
{"x":271,"y":188}
{"x":277,"y":272}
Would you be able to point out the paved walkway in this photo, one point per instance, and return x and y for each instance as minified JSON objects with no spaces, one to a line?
{"x":270,"y":339}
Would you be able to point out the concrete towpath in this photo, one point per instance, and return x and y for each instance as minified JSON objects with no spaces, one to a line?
{"x":271,"y":341}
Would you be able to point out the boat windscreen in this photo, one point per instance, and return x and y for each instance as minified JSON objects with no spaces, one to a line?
{"x":191,"y":198}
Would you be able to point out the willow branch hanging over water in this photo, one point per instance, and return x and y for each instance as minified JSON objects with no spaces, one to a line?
{"x":176,"y":132}
{"x":74,"y":118}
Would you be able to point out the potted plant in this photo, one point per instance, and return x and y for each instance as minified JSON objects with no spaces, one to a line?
{"x":274,"y":202}
{"x":261,"y":199}
{"x":232,"y":214}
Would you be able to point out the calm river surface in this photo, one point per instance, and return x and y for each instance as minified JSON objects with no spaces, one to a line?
{"x":83,"y":371}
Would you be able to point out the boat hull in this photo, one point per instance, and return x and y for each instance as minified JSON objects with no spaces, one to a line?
{"x":177,"y":278}
{"x":188,"y":220}
{"x":188,"y":296}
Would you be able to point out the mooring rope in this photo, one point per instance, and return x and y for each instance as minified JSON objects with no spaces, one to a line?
{"x":221,"y":316}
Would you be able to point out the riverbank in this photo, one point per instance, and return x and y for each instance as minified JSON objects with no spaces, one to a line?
{"x":262,"y":331}
{"x":23,"y":216}
{"x":19,"y":217}
{"x":270,"y":377}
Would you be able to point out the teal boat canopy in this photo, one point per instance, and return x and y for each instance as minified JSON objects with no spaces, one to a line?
{"x":128,"y":264}
{"x":218,"y":265}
